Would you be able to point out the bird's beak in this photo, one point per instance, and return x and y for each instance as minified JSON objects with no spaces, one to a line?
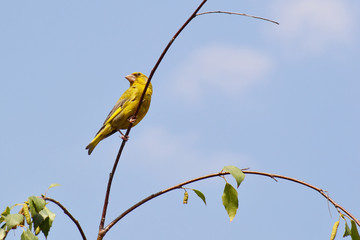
{"x":131,"y":78}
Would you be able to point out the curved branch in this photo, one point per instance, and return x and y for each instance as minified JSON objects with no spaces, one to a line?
{"x":319,"y":190}
{"x":111,"y":175}
{"x":241,"y":14}
{"x":273,"y":176}
{"x":102,"y":231}
{"x":107,"y":228}
{"x":68,"y":214}
{"x":106,"y":201}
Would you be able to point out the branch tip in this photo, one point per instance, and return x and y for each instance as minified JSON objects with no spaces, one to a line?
{"x":68,"y":214}
{"x":240,"y":14}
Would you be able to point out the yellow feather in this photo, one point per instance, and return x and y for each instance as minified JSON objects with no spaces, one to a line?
{"x":125,"y":108}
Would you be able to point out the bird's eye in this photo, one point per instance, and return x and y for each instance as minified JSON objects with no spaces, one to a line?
{"x":137,"y":74}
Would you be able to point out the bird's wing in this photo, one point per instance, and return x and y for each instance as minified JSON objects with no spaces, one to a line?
{"x":116,"y":109}
{"x":127,"y":97}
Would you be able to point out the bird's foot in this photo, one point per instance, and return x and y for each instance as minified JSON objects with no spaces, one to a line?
{"x":123,"y":136}
{"x":132,"y":119}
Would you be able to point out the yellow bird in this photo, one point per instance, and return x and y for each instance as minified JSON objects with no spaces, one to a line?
{"x":123,"y":112}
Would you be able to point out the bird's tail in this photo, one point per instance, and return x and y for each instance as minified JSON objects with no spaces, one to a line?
{"x":104,"y":132}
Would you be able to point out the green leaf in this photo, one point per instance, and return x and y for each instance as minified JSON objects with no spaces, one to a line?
{"x":2,"y":234}
{"x":37,"y":220}
{"x":13,"y":220}
{"x":230,"y":200}
{"x":36,"y":204}
{"x":236,"y":173}
{"x":46,"y":213}
{"x":28,"y":235}
{"x":32,"y":208}
{"x":347,"y":230}
{"x":200,"y":195}
{"x":6,"y":211}
{"x":51,"y":186}
{"x":44,"y":220}
{"x":45,"y":227}
{"x":354,"y":231}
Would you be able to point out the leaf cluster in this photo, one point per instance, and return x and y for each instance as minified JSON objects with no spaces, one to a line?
{"x":230,"y":194}
{"x":33,"y":217}
{"x":352,"y":232}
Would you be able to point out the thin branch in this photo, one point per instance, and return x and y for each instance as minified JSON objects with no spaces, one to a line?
{"x":68,"y":214}
{"x":241,"y":14}
{"x":272,"y":176}
{"x":102,"y":233}
{"x":108,"y":188}
{"x":321,"y":191}
{"x":108,"y":227}
{"x":111,"y":175}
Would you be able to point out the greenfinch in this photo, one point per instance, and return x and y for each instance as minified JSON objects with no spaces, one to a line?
{"x":123,"y":112}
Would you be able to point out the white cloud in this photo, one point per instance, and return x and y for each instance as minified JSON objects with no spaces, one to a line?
{"x":314,"y":25}
{"x":227,"y":69}
{"x":181,"y":154}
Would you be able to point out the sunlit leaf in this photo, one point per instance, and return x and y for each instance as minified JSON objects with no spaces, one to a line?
{"x":2,"y":234}
{"x":47,"y":213}
{"x":200,"y":195}
{"x":28,"y":235}
{"x":54,"y":185}
{"x":334,"y":230}
{"x":36,"y":205}
{"x":230,"y":200}
{"x":236,"y":173}
{"x":6,"y":211}
{"x":354,"y":231}
{"x":51,"y":186}
{"x":13,"y":220}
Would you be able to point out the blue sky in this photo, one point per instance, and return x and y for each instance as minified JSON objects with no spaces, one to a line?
{"x":231,"y":91}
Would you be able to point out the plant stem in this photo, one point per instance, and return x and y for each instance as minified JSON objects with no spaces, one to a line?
{"x":102,"y":231}
{"x":270,"y":175}
{"x":68,"y":214}
{"x":241,"y":14}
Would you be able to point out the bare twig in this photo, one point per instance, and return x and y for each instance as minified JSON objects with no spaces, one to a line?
{"x":241,"y":14}
{"x":107,"y":228}
{"x":102,"y":231}
{"x":106,"y":201}
{"x":68,"y":214}
{"x":319,"y":190}
{"x":273,"y":176}
{"x":108,"y":188}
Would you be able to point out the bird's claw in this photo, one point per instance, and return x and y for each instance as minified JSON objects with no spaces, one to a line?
{"x":132,"y":119}
{"x":124,"y":137}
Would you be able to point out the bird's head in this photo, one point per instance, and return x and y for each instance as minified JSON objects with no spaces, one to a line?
{"x":136,"y":77}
